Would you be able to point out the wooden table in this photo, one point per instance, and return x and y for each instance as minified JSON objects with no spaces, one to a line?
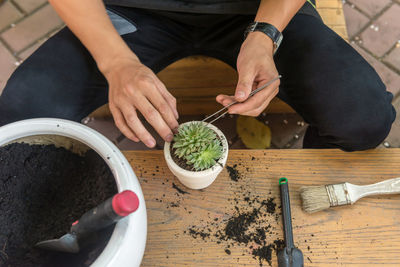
{"x":363,"y":234}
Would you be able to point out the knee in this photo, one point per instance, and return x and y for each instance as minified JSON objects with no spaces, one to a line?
{"x":30,"y":93}
{"x":13,"y":99}
{"x":367,"y":128}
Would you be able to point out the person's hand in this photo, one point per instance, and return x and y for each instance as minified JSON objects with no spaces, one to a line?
{"x":134,"y":87}
{"x":256,"y":67}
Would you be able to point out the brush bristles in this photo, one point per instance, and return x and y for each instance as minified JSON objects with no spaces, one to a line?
{"x":315,"y":198}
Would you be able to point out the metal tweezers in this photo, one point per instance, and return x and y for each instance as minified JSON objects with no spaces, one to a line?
{"x":251,"y":94}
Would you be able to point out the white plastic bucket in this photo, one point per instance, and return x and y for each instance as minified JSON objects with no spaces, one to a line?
{"x":127,"y":243}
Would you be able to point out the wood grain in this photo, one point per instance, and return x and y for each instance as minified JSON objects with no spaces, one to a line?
{"x":196,"y":81}
{"x":367,"y":233}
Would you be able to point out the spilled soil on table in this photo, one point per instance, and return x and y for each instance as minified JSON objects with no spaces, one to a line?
{"x":248,"y":225}
{"x":43,"y":189}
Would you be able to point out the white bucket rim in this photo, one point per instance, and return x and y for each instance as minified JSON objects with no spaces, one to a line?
{"x":129,"y":236}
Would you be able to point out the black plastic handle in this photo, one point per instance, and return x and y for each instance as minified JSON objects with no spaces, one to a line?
{"x":286,"y":214}
{"x":290,"y":256}
{"x":105,"y":214}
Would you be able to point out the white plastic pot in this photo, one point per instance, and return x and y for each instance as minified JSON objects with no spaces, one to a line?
{"x":198,"y":179}
{"x":127,"y":243}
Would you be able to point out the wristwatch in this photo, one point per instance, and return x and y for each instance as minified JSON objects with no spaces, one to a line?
{"x":268,"y":29}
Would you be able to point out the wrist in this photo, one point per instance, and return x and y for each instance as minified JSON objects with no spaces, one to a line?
{"x":268,"y":30}
{"x":263,"y":40}
{"x":110,"y":63}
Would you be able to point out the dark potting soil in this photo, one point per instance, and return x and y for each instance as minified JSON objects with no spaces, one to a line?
{"x":247,"y":226}
{"x":43,"y":189}
{"x":233,"y":173}
{"x":178,"y":189}
{"x":181,"y":162}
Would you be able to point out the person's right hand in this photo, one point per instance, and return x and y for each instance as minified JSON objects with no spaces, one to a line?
{"x":134,"y":87}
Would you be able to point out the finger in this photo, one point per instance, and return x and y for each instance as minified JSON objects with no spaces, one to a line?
{"x":152,"y":115}
{"x":225,"y":99}
{"x":121,"y":124}
{"x":136,"y":125}
{"x":219,"y":98}
{"x":256,"y":101}
{"x":245,"y":84}
{"x":171,"y":100}
{"x":261,"y":108}
{"x":158,"y":102}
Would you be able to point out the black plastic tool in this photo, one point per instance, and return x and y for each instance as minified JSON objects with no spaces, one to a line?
{"x":290,"y":256}
{"x":105,"y":214}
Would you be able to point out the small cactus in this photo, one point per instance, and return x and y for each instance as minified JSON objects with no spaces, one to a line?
{"x":198,"y":145}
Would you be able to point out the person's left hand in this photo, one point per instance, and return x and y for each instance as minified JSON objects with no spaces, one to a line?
{"x":256,"y":67}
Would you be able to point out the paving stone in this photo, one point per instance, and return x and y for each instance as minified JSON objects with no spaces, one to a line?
{"x":370,"y":7}
{"x":2,"y":85}
{"x":383,"y":33}
{"x":8,"y":14}
{"x":29,"y":5}
{"x":237,"y":144}
{"x":355,"y":20}
{"x":27,"y":52}
{"x":390,"y":78}
{"x":104,"y":126}
{"x":227,"y":125}
{"x":32,"y":28}
{"x":283,"y":128}
{"x":394,"y":136}
{"x":297,"y":143}
{"x":7,"y":66}
{"x":394,"y":57}
{"x":127,"y":144}
{"x":107,"y":128}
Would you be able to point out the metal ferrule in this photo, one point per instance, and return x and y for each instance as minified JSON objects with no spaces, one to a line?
{"x":338,"y":194}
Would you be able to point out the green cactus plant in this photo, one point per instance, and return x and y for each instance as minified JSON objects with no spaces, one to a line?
{"x":198,"y":145}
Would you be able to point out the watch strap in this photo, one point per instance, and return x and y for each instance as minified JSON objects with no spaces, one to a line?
{"x":270,"y":30}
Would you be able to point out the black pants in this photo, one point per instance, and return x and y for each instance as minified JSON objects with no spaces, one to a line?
{"x":324,"y":79}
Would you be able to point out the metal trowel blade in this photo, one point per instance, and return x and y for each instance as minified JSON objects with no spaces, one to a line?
{"x":66,"y":243}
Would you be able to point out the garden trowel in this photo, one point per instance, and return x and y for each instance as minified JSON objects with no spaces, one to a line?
{"x":289,"y":256}
{"x":105,"y":214}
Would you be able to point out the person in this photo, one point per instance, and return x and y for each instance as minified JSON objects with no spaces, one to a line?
{"x":111,"y":52}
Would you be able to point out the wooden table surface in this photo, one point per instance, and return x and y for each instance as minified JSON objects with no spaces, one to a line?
{"x":366,"y":233}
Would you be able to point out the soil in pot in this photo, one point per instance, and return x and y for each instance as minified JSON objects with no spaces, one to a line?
{"x":43,"y":189}
{"x":181,"y":162}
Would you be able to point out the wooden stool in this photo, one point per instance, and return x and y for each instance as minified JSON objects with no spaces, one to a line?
{"x":195,"y":81}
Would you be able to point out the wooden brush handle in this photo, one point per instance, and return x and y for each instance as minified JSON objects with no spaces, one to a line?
{"x":391,"y":186}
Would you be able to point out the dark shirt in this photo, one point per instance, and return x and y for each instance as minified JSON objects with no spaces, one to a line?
{"x":193,"y":6}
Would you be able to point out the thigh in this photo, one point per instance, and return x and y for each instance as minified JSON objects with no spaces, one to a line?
{"x":61,"y":79}
{"x":335,"y":90}
{"x":159,"y":39}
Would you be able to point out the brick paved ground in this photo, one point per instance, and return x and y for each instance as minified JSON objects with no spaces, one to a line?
{"x":374,"y":31}
{"x":373,"y":27}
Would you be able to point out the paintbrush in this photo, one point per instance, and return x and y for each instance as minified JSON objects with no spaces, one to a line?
{"x":316,"y":198}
